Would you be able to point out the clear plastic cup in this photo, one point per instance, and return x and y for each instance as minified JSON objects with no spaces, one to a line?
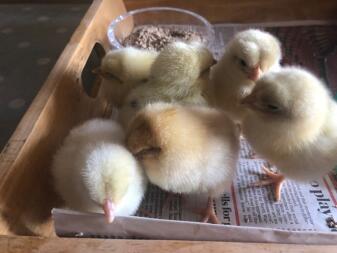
{"x":123,"y":25}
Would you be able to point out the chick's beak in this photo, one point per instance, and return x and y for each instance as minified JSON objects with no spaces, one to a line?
{"x":254,"y":73}
{"x":147,"y":152}
{"x":109,"y":208}
{"x":98,"y":71}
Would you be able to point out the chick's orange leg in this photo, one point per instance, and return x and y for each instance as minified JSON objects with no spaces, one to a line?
{"x":209,"y":213}
{"x":274,"y":178}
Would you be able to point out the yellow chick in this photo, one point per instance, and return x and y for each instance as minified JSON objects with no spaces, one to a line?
{"x":94,"y":172}
{"x":177,"y":75}
{"x":185,"y":149}
{"x":122,"y":70}
{"x":177,"y":68}
{"x":292,"y":122}
{"x":249,"y":54}
{"x":128,"y":64}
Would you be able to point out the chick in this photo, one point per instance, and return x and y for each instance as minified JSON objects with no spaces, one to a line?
{"x":122,"y":70}
{"x":249,"y":54}
{"x":292,"y":122}
{"x":128,"y":64}
{"x":179,"y":74}
{"x":177,"y":68}
{"x":94,"y":172}
{"x":185,"y":149}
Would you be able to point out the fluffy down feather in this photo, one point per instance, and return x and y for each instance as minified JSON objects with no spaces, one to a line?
{"x":92,"y":166}
{"x":177,"y":75}
{"x":248,"y":55}
{"x":122,"y":70}
{"x":128,"y":64}
{"x":185,"y":149}
{"x":292,"y":122}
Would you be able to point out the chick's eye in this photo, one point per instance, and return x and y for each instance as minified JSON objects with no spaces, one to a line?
{"x":134,"y":104}
{"x":242,"y":63}
{"x":272,"y":108}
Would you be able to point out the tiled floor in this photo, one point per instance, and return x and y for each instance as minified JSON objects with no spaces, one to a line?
{"x":32,"y":37}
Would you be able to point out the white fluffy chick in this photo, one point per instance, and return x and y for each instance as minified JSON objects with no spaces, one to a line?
{"x":185,"y":149}
{"x":177,"y":75}
{"x":128,"y":64}
{"x":249,"y":54}
{"x":292,"y":122}
{"x":94,"y":172}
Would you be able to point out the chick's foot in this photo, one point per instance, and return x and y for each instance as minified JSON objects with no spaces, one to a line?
{"x":273,"y":178}
{"x":208,"y":214}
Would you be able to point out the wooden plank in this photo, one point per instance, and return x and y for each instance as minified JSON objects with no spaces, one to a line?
{"x":42,"y":245}
{"x":247,"y":11}
{"x":26,"y":191}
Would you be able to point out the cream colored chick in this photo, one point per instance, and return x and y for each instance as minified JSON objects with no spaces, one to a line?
{"x":185,"y":149}
{"x":177,"y":68}
{"x":128,"y":64}
{"x":177,"y":75}
{"x":94,"y":172}
{"x":292,"y":122}
{"x":249,"y":54}
{"x":122,"y":70}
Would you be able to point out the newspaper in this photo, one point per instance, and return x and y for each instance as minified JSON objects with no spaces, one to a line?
{"x":247,"y":213}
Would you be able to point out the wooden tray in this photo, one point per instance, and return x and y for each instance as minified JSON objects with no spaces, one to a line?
{"x":65,"y":100}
